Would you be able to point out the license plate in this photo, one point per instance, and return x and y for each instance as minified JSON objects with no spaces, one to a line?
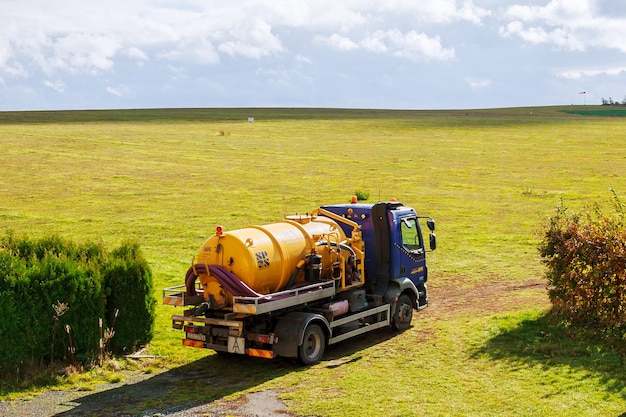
{"x":237,"y":345}
{"x":196,"y":336}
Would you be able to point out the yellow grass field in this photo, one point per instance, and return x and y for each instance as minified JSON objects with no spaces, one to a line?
{"x":490,"y":178}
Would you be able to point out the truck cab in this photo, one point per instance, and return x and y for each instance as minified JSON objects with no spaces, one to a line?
{"x":395,"y":248}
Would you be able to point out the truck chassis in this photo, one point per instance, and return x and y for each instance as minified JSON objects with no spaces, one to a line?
{"x":289,"y":323}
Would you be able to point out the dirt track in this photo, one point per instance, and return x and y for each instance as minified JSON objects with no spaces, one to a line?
{"x":454,"y":297}
{"x":488,"y":297}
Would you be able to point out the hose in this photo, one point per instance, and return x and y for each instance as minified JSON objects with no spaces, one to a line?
{"x":294,"y":275}
{"x":226,"y":278}
{"x":341,"y":245}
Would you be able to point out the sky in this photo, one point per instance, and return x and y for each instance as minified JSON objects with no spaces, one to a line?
{"x":382,"y":54}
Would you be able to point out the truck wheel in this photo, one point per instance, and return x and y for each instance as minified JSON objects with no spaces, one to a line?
{"x":312,"y":348}
{"x":403,"y":315}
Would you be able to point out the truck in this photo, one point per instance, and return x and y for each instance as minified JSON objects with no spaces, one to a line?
{"x":292,"y":288}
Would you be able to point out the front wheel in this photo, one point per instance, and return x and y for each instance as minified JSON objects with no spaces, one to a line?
{"x":312,"y":348}
{"x":404,"y":313}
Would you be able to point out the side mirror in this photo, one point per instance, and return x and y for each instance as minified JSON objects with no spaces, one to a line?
{"x":431,"y":224}
{"x":433,"y":240}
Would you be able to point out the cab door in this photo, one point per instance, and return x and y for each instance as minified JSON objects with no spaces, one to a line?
{"x":410,"y":252}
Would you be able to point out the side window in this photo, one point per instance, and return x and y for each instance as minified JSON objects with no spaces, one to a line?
{"x":411,"y":238}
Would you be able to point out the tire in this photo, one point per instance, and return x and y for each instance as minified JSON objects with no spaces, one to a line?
{"x":403,"y":315}
{"x":313,"y":345}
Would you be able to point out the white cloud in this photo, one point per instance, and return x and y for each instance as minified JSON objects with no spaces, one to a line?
{"x":84,"y":52}
{"x":303,"y":59}
{"x":117,"y":91}
{"x":471,"y":13}
{"x":76,"y":36}
{"x":559,"y":37}
{"x":441,"y":11}
{"x":253,"y":40}
{"x":590,"y":73}
{"x":136,"y":53}
{"x":573,"y":25}
{"x":114,"y":91}
{"x":58,"y":86}
{"x":410,"y":45}
{"x":177,"y":72}
{"x":162,"y":46}
{"x":375,"y":43}
{"x":8,"y":63}
{"x":477,"y":84}
{"x":283,"y":77}
{"x":200,"y":51}
{"x":341,"y":43}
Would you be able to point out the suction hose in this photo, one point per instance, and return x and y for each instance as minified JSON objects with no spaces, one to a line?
{"x":226,"y":278}
{"x":294,"y":275}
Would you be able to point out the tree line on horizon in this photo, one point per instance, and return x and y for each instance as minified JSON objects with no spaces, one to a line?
{"x":611,"y":102}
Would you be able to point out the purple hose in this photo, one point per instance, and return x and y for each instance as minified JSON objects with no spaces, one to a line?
{"x":226,"y":278}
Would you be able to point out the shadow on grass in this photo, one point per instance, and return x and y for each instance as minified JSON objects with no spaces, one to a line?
{"x":199,"y":382}
{"x":547,"y":342}
{"x":204,"y":381}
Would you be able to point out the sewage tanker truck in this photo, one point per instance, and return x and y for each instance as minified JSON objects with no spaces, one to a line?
{"x":293,"y":287}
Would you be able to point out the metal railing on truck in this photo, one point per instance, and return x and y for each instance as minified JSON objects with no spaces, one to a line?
{"x":284,"y":299}
{"x":257,"y":305}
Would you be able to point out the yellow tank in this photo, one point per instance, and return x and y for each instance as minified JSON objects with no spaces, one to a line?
{"x":265,"y":257}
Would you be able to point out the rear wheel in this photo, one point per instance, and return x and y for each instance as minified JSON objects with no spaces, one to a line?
{"x":312,"y":348}
{"x":404,"y":313}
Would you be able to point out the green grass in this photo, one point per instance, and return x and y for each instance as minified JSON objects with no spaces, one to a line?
{"x":472,"y":366}
{"x":611,"y":111}
{"x":489,"y":177}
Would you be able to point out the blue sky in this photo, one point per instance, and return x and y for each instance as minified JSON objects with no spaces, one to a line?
{"x":393,"y":54}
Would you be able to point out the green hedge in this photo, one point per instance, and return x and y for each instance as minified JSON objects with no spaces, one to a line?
{"x":128,"y":282}
{"x":37,"y":275}
{"x":585,"y":255}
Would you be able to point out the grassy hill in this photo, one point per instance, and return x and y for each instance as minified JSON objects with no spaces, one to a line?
{"x":491,"y":177}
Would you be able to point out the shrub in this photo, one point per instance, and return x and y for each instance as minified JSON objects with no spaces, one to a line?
{"x":61,"y":279}
{"x":361,"y":195}
{"x":39,"y":276}
{"x":585,"y":255}
{"x":129,"y":288}
{"x":12,"y":291}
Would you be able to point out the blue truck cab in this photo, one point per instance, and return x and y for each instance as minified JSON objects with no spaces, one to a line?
{"x":395,"y":250}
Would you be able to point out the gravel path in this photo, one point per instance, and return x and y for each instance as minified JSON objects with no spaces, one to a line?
{"x":132,"y":390}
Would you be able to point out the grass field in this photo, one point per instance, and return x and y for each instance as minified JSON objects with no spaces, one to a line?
{"x":490,"y":178}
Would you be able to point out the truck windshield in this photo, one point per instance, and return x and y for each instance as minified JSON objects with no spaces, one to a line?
{"x":411,"y":238}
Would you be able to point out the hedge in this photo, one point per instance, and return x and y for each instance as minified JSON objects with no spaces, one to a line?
{"x":128,"y":282}
{"x":585,"y":255}
{"x":49,"y":283}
